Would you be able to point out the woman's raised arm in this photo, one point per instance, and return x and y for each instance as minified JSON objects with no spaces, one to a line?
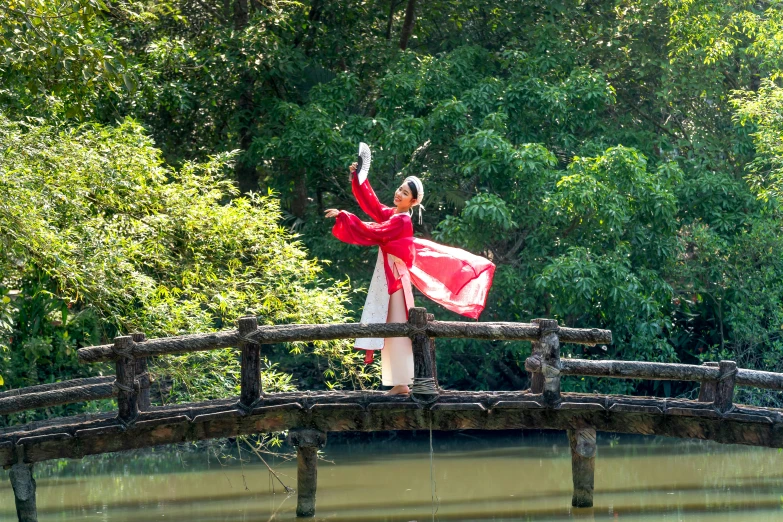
{"x":367,"y":199}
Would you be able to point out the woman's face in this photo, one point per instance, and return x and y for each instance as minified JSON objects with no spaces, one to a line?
{"x":403,"y":199}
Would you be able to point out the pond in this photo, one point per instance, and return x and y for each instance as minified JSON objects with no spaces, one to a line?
{"x":509,"y":476}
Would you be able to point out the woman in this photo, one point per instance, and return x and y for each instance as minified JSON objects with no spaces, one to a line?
{"x":456,"y":279}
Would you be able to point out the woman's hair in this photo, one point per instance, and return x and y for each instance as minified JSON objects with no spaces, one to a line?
{"x":414,"y":190}
{"x":417,"y":188}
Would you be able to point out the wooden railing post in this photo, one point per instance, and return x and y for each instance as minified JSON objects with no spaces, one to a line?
{"x":430,"y":318}
{"x":23,"y":484}
{"x":251,"y":363}
{"x":125,"y":379}
{"x":724,"y":393}
{"x":424,"y":389}
{"x":707,"y":389}
{"x":307,"y":443}
{"x":142,"y":375}
{"x":546,"y":361}
{"x":536,"y":378}
{"x":583,"y":450}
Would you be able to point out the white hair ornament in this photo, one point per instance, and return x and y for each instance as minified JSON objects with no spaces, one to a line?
{"x":419,"y":193}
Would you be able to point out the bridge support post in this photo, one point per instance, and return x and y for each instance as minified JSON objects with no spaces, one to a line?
{"x":425,"y":387}
{"x":583,"y":450}
{"x":707,"y":389}
{"x":251,"y":363}
{"x":142,"y":375}
{"x":307,"y":443}
{"x":127,"y":394}
{"x":23,"y":484}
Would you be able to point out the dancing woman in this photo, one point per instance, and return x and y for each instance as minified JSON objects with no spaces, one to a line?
{"x":454,"y":278}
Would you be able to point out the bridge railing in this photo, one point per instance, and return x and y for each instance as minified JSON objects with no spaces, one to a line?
{"x":131,"y":383}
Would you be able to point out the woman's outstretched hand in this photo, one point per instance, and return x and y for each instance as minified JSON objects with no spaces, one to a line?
{"x":331,"y":212}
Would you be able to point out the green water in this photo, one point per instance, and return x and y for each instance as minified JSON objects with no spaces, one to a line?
{"x":512,"y":477}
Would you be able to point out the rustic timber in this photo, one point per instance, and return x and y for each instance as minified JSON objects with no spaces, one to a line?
{"x":103,"y":389}
{"x":318,"y":332}
{"x":550,"y":360}
{"x":142,"y":375}
{"x":125,"y":365}
{"x":307,"y":443}
{"x":536,"y":377}
{"x":23,"y":484}
{"x":164,"y":346}
{"x":724,"y":392}
{"x":583,"y":449}
{"x":73,"y":383}
{"x":375,"y":411}
{"x":424,"y":389}
{"x":251,"y":363}
{"x":708,"y":388}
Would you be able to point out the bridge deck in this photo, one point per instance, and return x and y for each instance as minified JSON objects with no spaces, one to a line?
{"x":76,"y":437}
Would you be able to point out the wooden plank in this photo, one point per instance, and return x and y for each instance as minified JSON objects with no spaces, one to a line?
{"x":517,"y":405}
{"x":582,"y":406}
{"x":693,"y":412}
{"x":458,"y":406}
{"x":634,"y":408}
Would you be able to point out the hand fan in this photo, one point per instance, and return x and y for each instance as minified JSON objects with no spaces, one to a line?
{"x":364,"y":162}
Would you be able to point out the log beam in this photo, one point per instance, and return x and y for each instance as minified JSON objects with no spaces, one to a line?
{"x":307,"y":443}
{"x":325,"y":332}
{"x":103,"y":389}
{"x":583,"y":450}
{"x":375,"y":411}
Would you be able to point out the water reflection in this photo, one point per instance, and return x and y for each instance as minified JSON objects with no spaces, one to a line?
{"x":478,"y":476}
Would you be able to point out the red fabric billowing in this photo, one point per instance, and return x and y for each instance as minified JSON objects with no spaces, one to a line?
{"x":457,"y":280}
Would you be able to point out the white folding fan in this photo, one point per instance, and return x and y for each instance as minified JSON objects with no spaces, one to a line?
{"x":364,"y":162}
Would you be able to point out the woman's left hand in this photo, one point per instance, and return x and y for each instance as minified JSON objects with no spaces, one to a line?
{"x":331,"y":212}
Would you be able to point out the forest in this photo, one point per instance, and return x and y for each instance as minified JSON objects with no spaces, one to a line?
{"x":165,"y":165}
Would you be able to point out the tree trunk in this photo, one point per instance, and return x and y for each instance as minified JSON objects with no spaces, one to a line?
{"x":390,"y":21}
{"x":240,"y":14}
{"x":407,"y":26}
{"x":299,"y":200}
{"x":245,"y":169}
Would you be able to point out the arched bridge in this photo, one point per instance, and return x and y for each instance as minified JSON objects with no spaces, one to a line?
{"x":309,"y":416}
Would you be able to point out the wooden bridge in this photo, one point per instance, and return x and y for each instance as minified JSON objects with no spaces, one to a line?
{"x":309,"y":416}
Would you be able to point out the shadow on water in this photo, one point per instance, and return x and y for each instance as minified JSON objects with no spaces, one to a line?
{"x":502,"y":476}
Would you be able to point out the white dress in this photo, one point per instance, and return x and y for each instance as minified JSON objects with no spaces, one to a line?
{"x":380,"y":307}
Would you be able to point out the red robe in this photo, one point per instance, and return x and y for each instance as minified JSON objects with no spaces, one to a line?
{"x":453,"y":278}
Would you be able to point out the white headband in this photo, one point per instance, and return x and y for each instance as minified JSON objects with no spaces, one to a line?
{"x":419,"y":188}
{"x":419,"y":193}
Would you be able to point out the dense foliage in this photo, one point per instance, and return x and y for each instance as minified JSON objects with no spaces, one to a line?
{"x":619,"y":160}
{"x":100,"y":237}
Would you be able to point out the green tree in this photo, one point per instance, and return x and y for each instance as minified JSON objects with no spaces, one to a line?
{"x":100,"y":237}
